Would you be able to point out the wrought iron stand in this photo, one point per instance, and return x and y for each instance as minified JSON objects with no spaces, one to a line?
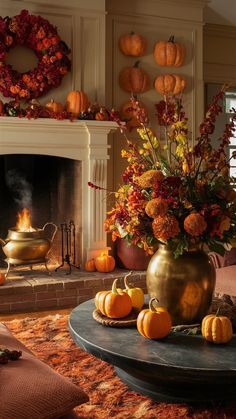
{"x":68,"y":246}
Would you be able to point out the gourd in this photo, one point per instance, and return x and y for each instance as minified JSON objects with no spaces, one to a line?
{"x":105,"y":263}
{"x":55,"y":106}
{"x":154,"y":322}
{"x":129,"y":114}
{"x":134,"y":79}
{"x":2,"y":278}
{"x":133,"y":44}
{"x":77,"y":102}
{"x":170,"y":84}
{"x":136,"y":294}
{"x":113,"y":304}
{"x":102,"y":115}
{"x":217,"y":329}
{"x":89,"y":265}
{"x":170,"y":53}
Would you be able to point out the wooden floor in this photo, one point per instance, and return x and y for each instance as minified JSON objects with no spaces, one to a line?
{"x":6,"y":317}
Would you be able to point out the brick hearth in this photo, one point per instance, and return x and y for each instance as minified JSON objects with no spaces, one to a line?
{"x":34,"y":290}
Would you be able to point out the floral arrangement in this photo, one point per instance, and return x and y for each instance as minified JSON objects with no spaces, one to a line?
{"x":177,"y":193}
{"x":39,"y":35}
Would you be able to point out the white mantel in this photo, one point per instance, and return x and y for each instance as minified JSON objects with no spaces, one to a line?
{"x":86,"y":141}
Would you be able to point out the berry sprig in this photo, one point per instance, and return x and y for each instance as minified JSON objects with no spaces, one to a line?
{"x":7,"y":355}
{"x":91,"y":185}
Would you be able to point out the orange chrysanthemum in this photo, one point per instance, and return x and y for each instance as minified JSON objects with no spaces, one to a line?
{"x":195,"y":224}
{"x":165,"y":227}
{"x":149,"y":178}
{"x":155,"y":207}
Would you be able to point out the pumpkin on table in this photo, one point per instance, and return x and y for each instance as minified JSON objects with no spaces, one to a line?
{"x":216,"y":328}
{"x":77,"y":102}
{"x":113,"y":304}
{"x":133,"y":44}
{"x":53,"y":106}
{"x":134,"y":79}
{"x":170,"y":84}
{"x":170,"y":53}
{"x":105,"y":263}
{"x":136,"y":294}
{"x":154,"y":322}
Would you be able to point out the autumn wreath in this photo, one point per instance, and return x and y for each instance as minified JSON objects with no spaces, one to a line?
{"x":39,"y":35}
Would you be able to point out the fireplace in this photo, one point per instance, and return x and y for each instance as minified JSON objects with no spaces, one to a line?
{"x":52,"y":161}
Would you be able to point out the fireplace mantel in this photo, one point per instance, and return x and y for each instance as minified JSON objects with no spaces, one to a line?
{"x":86,"y":141}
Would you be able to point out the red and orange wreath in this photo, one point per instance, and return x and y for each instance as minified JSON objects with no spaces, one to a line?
{"x":39,"y":35}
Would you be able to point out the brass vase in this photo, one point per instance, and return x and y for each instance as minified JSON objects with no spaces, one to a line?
{"x":184,"y":286}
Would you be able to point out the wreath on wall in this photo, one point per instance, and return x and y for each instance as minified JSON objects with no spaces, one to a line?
{"x":40,"y":36}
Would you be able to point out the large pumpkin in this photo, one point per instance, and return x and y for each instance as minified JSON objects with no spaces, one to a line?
{"x":170,"y":53}
{"x":155,"y":322}
{"x":113,"y":304}
{"x":53,"y":106}
{"x":129,"y":114}
{"x":133,"y":44}
{"x":134,"y":79}
{"x":217,"y":329}
{"x":77,"y":102}
{"x":170,"y":84}
{"x":105,"y":263}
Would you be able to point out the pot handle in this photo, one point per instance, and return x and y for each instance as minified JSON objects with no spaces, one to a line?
{"x":55,"y":227}
{"x":3,"y":242}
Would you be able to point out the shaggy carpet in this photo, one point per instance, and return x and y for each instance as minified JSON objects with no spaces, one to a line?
{"x":49,"y":340}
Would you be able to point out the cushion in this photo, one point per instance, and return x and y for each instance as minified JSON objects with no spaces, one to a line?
{"x":230,"y":257}
{"x":31,"y":389}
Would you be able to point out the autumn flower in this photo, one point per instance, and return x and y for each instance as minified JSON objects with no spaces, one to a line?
{"x":165,"y":227}
{"x":195,"y":224}
{"x":156,"y":206}
{"x":149,"y":178}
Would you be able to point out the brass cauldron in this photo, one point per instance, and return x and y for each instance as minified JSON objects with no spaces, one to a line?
{"x":27,"y":246}
{"x":184,"y":286}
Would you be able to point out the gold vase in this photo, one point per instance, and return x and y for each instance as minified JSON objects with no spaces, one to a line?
{"x":184,"y":286}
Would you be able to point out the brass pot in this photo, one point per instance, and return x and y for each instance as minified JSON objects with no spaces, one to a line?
{"x":25,"y":247}
{"x":184,"y":286}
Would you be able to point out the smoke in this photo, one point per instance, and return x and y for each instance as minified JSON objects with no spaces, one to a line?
{"x":20,"y":188}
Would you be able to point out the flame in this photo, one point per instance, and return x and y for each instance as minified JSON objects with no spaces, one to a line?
{"x":24,"y":221}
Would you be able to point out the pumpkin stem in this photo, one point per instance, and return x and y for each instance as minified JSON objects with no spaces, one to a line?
{"x":171,"y":39}
{"x":151,"y":306}
{"x":114,"y":289}
{"x":136,"y":64}
{"x":218,"y":309}
{"x":127,"y":285}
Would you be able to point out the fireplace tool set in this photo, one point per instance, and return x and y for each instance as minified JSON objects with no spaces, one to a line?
{"x":68,"y":246}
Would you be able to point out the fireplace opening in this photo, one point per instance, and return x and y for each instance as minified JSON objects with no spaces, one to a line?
{"x":50,"y":187}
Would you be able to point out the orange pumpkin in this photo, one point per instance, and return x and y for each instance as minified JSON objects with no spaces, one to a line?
{"x":105,"y":263}
{"x":133,"y":44}
{"x":102,"y":115}
{"x":55,"y":106}
{"x":77,"y":102}
{"x":170,"y":54}
{"x":2,"y":278}
{"x":155,"y":322}
{"x":113,"y":304}
{"x":129,"y":114}
{"x":134,"y":79}
{"x":89,"y":265}
{"x":1,"y":107}
{"x":170,"y":84}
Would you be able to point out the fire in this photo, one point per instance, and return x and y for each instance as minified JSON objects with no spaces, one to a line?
{"x":24,"y":221}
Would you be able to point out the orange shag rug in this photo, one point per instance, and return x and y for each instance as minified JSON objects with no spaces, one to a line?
{"x":49,"y":339}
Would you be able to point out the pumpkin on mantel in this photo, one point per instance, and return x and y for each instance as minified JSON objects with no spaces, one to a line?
{"x":53,"y":106}
{"x":173,"y":84}
{"x":170,"y":53}
{"x":77,"y":102}
{"x":134,"y":79}
{"x":129,"y":114}
{"x":133,"y":44}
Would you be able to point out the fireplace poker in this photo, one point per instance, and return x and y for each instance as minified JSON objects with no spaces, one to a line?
{"x":68,"y":242}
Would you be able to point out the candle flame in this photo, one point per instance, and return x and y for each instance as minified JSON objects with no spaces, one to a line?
{"x":24,"y":220}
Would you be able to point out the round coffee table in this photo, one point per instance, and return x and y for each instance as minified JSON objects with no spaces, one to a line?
{"x":179,"y":368}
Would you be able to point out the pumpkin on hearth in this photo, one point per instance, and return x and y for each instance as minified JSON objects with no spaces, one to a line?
{"x":105,"y":263}
{"x":136,"y":294}
{"x":216,"y":328}
{"x":89,"y":265}
{"x":129,"y":114}
{"x":113,"y":304}
{"x":133,"y":44}
{"x":2,"y":278}
{"x":170,"y":53}
{"x":173,"y":84}
{"x":134,"y":79}
{"x":53,"y":106}
{"x":1,"y":107}
{"x":77,"y":102}
{"x":154,"y":322}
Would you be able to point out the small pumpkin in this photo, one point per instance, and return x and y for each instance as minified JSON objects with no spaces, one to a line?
{"x":134,"y":79}
{"x":2,"y":278}
{"x":129,"y":114}
{"x":77,"y":102}
{"x":170,"y":53}
{"x":105,"y":263}
{"x":113,"y":304}
{"x":136,"y":294}
{"x":170,"y":84}
{"x":1,"y":107}
{"x":89,"y":265}
{"x":53,"y":106}
{"x":217,"y":329}
{"x":102,"y":115}
{"x":155,"y":322}
{"x":133,"y":44}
